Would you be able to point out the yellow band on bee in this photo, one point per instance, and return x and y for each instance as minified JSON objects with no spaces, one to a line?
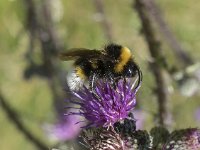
{"x":80,"y":73}
{"x":124,"y":58}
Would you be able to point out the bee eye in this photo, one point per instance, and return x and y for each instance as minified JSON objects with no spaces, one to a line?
{"x":129,"y":72}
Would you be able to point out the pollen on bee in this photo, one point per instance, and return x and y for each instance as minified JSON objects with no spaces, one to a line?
{"x":76,"y":79}
{"x":80,"y":73}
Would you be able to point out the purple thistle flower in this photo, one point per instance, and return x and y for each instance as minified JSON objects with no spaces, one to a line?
{"x":185,"y":139}
{"x":111,"y":105}
{"x":102,"y":139}
{"x":65,"y":129}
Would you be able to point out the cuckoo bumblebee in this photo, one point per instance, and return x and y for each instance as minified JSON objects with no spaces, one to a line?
{"x":112,"y":63}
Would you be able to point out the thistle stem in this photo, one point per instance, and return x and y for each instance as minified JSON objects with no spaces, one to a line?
{"x":163,"y":27}
{"x":14,"y":118}
{"x":158,"y":65}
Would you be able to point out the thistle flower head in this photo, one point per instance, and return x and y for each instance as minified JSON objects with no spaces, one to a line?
{"x":186,"y":139}
{"x":102,"y":139}
{"x":109,"y":106}
{"x":64,"y":130}
{"x":138,"y":140}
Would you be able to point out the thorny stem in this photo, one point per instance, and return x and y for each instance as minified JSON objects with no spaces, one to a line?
{"x":180,"y":52}
{"x":158,"y":65}
{"x":41,"y":27}
{"x":13,"y":116}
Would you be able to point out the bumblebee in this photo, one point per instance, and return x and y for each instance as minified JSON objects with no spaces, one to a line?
{"x":112,"y":63}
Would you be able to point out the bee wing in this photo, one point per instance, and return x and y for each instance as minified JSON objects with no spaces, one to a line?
{"x":76,"y":53}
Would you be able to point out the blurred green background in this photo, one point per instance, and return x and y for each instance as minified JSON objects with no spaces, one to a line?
{"x":77,"y":25}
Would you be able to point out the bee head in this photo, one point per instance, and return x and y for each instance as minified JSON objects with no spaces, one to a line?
{"x":130,"y":69}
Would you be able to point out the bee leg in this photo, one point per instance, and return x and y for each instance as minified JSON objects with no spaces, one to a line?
{"x":92,"y":82}
{"x":124,"y":83}
{"x":139,"y":78}
{"x":112,"y":80}
{"x":113,"y":83}
{"x":124,"y":78}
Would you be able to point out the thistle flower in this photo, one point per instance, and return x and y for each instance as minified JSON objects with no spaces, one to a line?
{"x":138,"y":140}
{"x":102,"y":139}
{"x":126,"y":127}
{"x":109,"y":106}
{"x":133,"y":140}
{"x":185,"y":139}
{"x":65,"y":129}
{"x":160,"y":136}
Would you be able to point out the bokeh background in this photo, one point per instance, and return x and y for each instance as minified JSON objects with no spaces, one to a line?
{"x":32,"y":78}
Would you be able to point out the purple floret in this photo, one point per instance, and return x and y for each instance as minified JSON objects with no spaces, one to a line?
{"x":111,"y":105}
